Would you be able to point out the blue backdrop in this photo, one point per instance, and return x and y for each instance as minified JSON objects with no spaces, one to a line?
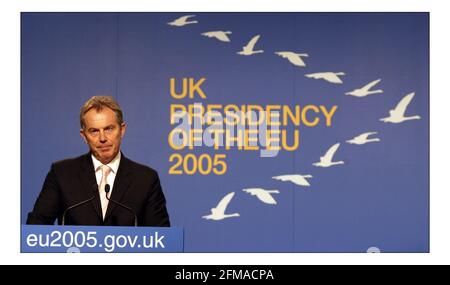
{"x":378,"y":198}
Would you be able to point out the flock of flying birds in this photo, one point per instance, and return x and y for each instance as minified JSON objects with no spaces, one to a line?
{"x":396,"y":115}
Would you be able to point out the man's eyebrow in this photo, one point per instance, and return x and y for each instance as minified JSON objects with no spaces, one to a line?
{"x":96,"y":129}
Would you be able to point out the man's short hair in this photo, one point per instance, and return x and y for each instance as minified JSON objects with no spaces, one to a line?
{"x":98,"y":103}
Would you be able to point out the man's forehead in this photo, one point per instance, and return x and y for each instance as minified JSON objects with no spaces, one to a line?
{"x":100,"y":118}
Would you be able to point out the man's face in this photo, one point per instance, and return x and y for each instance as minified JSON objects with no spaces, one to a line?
{"x":103,"y":134}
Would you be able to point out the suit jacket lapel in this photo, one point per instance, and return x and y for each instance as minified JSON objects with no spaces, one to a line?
{"x":89,"y":182}
{"x":121,"y":184}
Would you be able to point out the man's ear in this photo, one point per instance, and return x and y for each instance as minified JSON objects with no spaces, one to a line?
{"x":123,"y":127}
{"x":83,"y":135}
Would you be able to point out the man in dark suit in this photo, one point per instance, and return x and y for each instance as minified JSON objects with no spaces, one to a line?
{"x":102,"y":173}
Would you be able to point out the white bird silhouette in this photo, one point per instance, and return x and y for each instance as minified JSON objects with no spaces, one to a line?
{"x":327,"y":159}
{"x":220,"y":35}
{"x":248,"y":49}
{"x":363,"y":138}
{"x":397,"y":115}
{"x":365,"y":90}
{"x":294,"y":58}
{"x":182,"y":21}
{"x":262,"y":194}
{"x":218,"y":213}
{"x":295,"y":178}
{"x":332,"y":77}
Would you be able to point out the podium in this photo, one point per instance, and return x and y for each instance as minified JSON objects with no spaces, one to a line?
{"x":100,"y":239}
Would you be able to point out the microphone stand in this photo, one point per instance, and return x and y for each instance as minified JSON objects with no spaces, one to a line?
{"x":63,"y":220}
{"x":107,"y":189}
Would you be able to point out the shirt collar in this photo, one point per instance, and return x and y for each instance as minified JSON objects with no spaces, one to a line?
{"x":114,"y":164}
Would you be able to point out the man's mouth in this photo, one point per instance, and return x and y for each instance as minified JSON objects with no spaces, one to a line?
{"x":104,"y":148}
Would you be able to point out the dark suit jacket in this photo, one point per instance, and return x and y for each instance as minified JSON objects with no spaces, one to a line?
{"x":71,"y":181}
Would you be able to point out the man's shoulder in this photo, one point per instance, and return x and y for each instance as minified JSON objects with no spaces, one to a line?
{"x":71,"y":162}
{"x":138,"y":167}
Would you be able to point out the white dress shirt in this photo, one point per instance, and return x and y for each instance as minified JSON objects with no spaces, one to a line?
{"x":114,"y":165}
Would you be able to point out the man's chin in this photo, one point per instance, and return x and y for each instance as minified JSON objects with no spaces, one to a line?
{"x":105,"y":157}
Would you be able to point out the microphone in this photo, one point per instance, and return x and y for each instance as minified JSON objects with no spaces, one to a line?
{"x":107,"y":189}
{"x":95,"y":190}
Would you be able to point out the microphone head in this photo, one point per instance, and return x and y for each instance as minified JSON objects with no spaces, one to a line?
{"x":107,"y":188}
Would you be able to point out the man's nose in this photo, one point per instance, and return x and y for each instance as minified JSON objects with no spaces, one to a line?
{"x":102,"y":136}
